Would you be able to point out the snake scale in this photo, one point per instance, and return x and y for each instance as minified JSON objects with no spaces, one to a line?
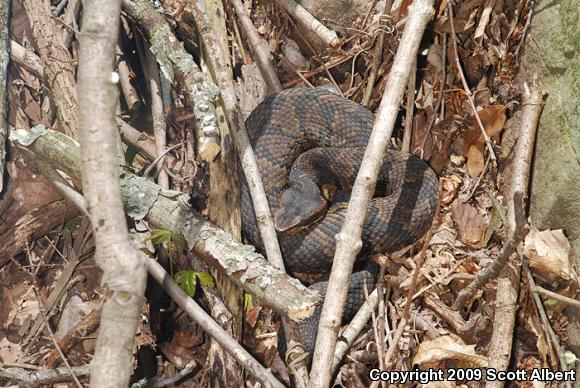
{"x":309,"y":145}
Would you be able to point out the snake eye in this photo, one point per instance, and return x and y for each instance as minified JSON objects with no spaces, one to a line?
{"x":328,"y":191}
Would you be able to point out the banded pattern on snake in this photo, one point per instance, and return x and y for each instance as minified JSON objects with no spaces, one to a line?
{"x":309,"y":145}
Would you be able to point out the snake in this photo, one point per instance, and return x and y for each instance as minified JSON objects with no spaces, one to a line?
{"x":309,"y":145}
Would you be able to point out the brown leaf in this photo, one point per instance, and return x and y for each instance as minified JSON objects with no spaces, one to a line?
{"x":448,"y":348}
{"x":471,"y":142}
{"x":550,"y":253}
{"x":475,"y":162}
{"x":471,"y":225}
{"x":9,"y":352}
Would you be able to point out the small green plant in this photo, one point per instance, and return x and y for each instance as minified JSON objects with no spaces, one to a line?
{"x":188,"y":280}
{"x":175,"y":243}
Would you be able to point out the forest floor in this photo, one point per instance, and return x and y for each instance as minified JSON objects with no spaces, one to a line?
{"x":54,"y":280}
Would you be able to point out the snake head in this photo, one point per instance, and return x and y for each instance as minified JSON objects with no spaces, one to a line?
{"x":300,"y":205}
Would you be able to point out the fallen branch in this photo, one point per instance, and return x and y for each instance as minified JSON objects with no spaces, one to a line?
{"x":546,"y":322}
{"x":349,"y":238}
{"x":560,"y":298}
{"x":533,"y":105}
{"x":169,"y":210}
{"x":124,"y":266}
{"x":310,"y":23}
{"x":259,"y":48}
{"x":5,"y":51}
{"x":58,"y":64}
{"x":159,"y":126}
{"x":178,"y":65}
{"x":499,"y":351}
{"x":35,"y":378}
{"x":219,"y":66}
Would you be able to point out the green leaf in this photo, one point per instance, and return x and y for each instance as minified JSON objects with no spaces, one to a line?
{"x":248,"y":302}
{"x":551,"y":302}
{"x":205,"y":279}
{"x":160,"y":236}
{"x":187,"y":280}
{"x":178,"y":241}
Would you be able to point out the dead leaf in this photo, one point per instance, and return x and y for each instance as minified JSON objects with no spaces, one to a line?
{"x":471,"y":225}
{"x":471,"y":142}
{"x":446,"y":348}
{"x":450,"y":187}
{"x":9,"y":352}
{"x":549,"y":252}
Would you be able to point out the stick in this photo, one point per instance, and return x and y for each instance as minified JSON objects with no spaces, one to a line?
{"x":499,"y":352}
{"x":176,"y":63}
{"x":533,"y":105}
{"x":466,"y":87}
{"x":377,"y":61}
{"x":259,"y":48}
{"x":123,"y":265}
{"x":4,"y":55}
{"x":26,"y":58}
{"x":217,"y":62}
{"x":57,"y":62}
{"x":546,"y":322}
{"x":170,"y":211}
{"x":410,"y":109}
{"x":312,"y":25}
{"x":561,"y":298}
{"x":39,"y":377}
{"x":159,"y":127}
{"x":349,"y":238}
{"x":354,"y":328}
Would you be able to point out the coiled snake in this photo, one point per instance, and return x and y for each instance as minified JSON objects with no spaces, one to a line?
{"x":309,"y":145}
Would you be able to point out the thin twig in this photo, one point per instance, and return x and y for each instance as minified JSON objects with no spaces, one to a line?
{"x":52,"y":338}
{"x":410,"y":109}
{"x":561,"y":298}
{"x":211,"y":327}
{"x":259,"y":48}
{"x":525,"y":32}
{"x":377,"y":61}
{"x":546,"y":323}
{"x":158,"y":115}
{"x":468,"y":92}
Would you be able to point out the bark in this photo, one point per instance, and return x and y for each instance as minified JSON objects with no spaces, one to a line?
{"x":508,"y":286}
{"x":4,"y":55}
{"x":30,"y":207}
{"x":170,"y":211}
{"x":178,"y":65}
{"x":58,"y":64}
{"x":123,"y":265}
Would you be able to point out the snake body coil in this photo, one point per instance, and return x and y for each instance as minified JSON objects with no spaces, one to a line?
{"x":328,"y":134}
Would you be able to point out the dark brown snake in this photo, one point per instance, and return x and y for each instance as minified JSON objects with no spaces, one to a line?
{"x":309,"y":145}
